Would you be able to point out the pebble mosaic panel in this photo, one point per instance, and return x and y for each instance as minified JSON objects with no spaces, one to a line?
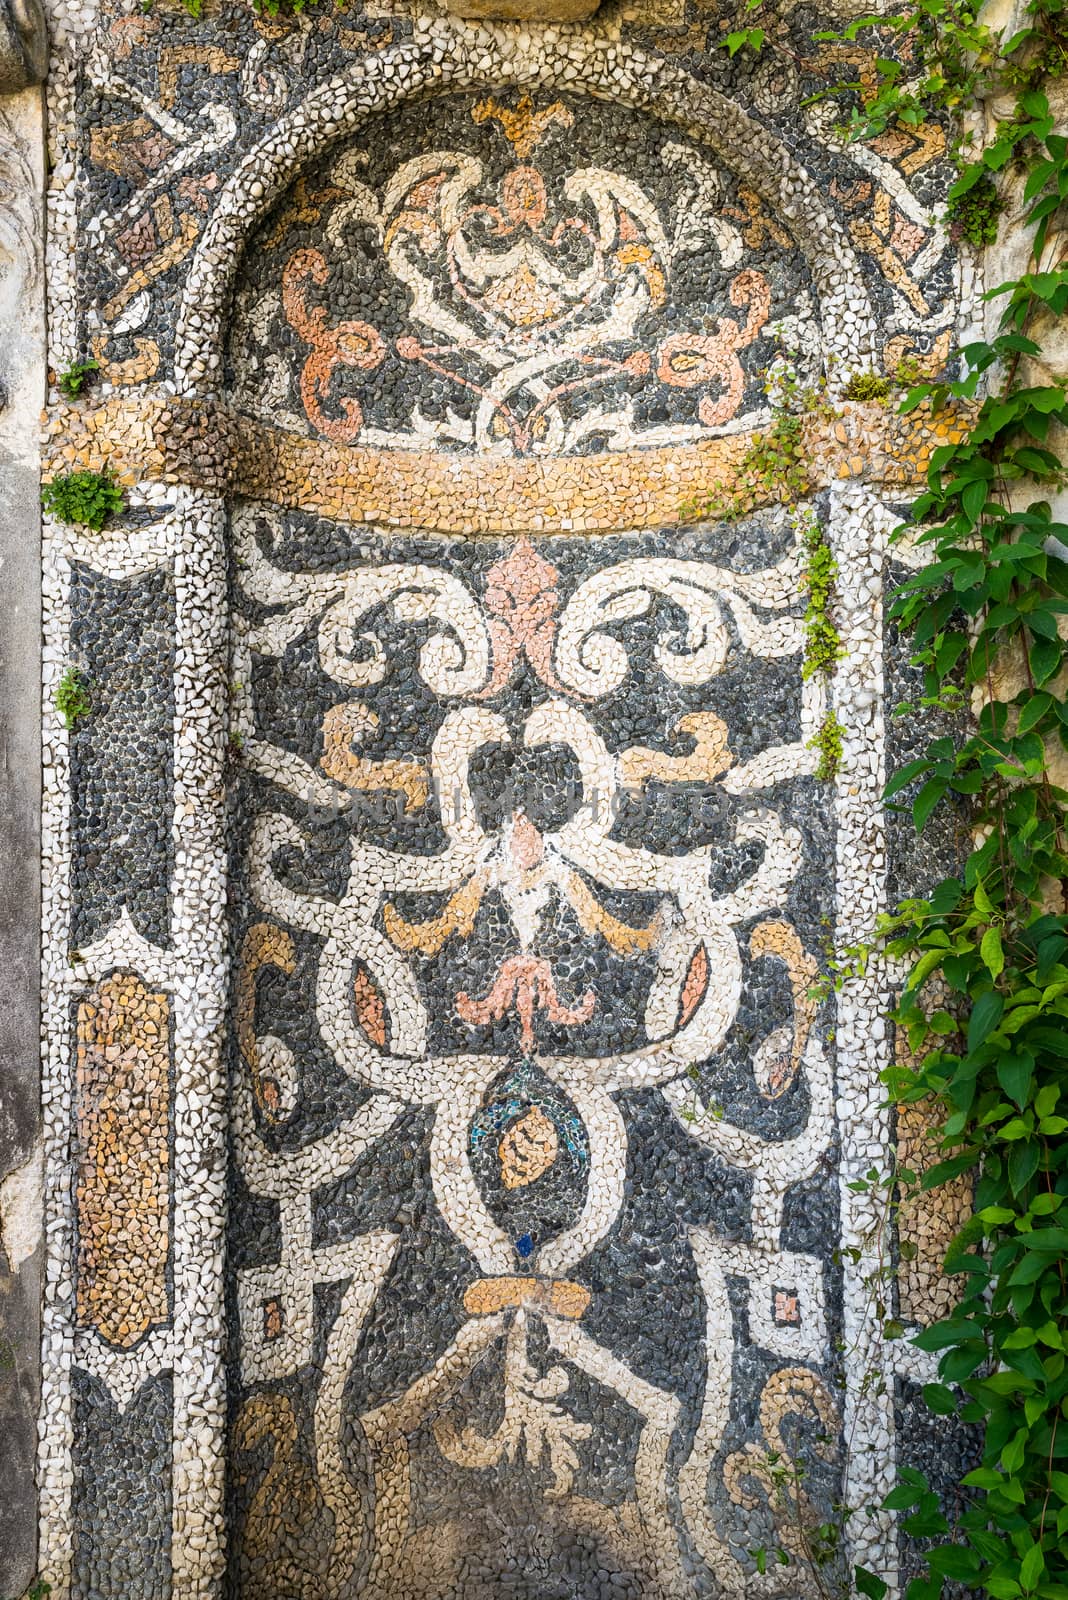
{"x":122,"y":637}
{"x":434,"y":892}
{"x":120,"y":1537}
{"x":943,"y":1452}
{"x":509,"y":283}
{"x":503,"y":937}
{"x":124,"y":1159}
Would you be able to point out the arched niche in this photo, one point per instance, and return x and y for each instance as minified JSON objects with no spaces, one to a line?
{"x":484,"y":976}
{"x":390,"y":519}
{"x":378,"y":521}
{"x":523,"y":276}
{"x":499,"y":60}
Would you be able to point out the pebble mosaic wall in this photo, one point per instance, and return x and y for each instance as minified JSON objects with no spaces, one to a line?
{"x":452,"y":1173}
{"x":503,"y":939}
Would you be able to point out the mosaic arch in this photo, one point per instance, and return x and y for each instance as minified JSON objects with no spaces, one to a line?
{"x":531,"y":1103}
{"x":487,"y":1159}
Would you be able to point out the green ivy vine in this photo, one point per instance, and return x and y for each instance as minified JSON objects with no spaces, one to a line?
{"x":985,"y":1004}
{"x":775,"y":466}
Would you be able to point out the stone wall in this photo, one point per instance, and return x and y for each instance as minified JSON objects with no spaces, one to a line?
{"x":450,"y":1178}
{"x":22,"y":387}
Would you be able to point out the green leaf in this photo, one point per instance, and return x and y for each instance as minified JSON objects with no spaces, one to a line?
{"x":992,"y":953}
{"x":753,"y":37}
{"x":949,"y":652}
{"x":1041,"y":463}
{"x":1035,"y":104}
{"x":1014,"y":1075}
{"x":1030,"y":1270}
{"x":1053,"y":1040}
{"x":969,"y":177}
{"x":868,"y":1583}
{"x":946,"y":897}
{"x":983,"y":1478}
{"x":1017,"y":344}
{"x":903,"y":1498}
{"x":1037,"y":177}
{"x":1023,"y":1164}
{"x":925,"y":802}
{"x":986,"y":1014}
{"x":1050,"y":1241}
{"x":943,"y":1171}
{"x":1042,"y":622}
{"x":1045,"y":658}
{"x":1046,"y":1099}
{"x":958,"y":1365}
{"x":923,"y":969}
{"x":954,"y":1561}
{"x":1012,"y":1457}
{"x":904,"y":776}
{"x":939,"y":1399}
{"x":1032,"y":1567}
{"x":973,"y":499}
{"x":1033,"y":712}
{"x":943,"y":1335}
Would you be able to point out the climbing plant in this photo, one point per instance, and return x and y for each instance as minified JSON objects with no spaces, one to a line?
{"x":823,"y":643}
{"x":775,"y":466}
{"x":985,"y":1004}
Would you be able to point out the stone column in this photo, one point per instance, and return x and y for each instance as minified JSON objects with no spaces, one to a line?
{"x":201,"y":701}
{"x":859,"y":529}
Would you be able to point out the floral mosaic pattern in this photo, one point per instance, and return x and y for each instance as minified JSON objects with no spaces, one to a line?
{"x":530,"y":901}
{"x":516,"y":292}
